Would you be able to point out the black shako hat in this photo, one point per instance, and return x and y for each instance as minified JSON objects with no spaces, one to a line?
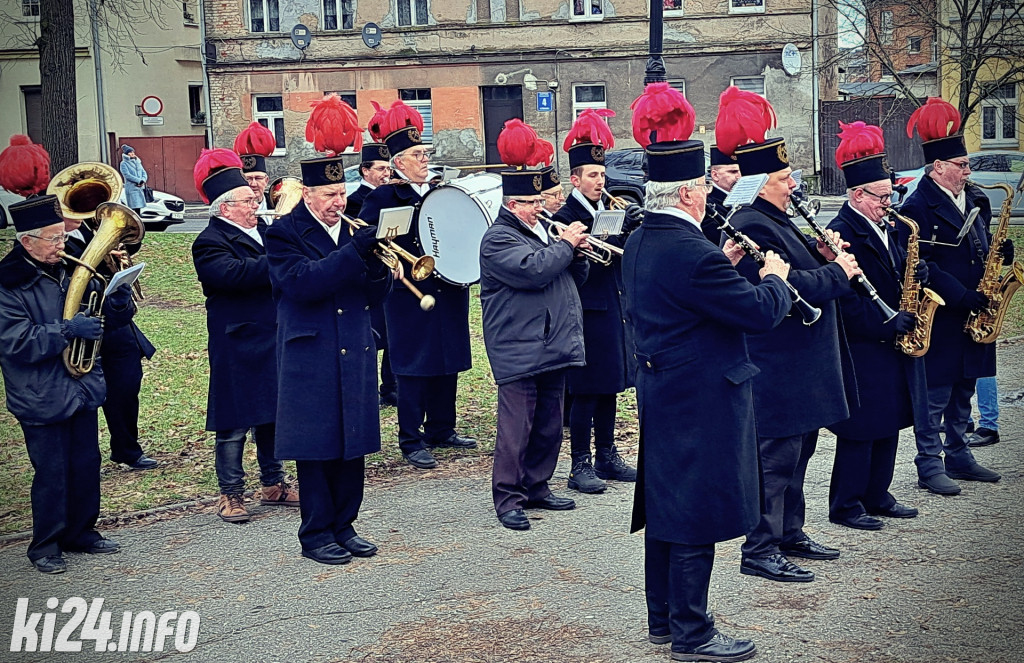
{"x":374,"y":152}
{"x":221,"y":181}
{"x":872,"y":168}
{"x":549,"y":178}
{"x":522,"y":182}
{"x":586,"y":154}
{"x":35,"y":213}
{"x":762,"y":158}
{"x":675,"y":161}
{"x":944,"y":149}
{"x":253,"y":163}
{"x":720,"y":158}
{"x":403,"y":139}
{"x":323,"y":171}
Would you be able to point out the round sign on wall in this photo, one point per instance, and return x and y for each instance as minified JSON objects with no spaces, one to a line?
{"x":152,"y":106}
{"x":791,"y":59}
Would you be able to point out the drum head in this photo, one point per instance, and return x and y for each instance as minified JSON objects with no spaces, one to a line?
{"x":452,"y":222}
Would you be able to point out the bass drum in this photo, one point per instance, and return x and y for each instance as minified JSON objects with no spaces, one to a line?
{"x":452,"y":221}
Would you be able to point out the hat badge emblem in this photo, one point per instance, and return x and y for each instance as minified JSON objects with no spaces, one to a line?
{"x":537,"y":183}
{"x":414,"y":134}
{"x":248,"y":161}
{"x":782,"y":153}
{"x":597,"y":153}
{"x":334,"y":172}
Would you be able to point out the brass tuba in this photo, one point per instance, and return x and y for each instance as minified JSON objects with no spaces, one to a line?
{"x":285,"y":194}
{"x":984,"y":326}
{"x":82,"y":187}
{"x":920,"y":301}
{"x":117,"y":224}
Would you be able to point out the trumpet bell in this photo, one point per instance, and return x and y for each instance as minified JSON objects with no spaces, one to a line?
{"x":81,"y":188}
{"x":285,"y":194}
{"x":422,"y":268}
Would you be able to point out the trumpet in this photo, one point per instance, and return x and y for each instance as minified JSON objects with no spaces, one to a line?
{"x":615,"y":202}
{"x":390,"y":260}
{"x":420,"y":268}
{"x":599,"y":251}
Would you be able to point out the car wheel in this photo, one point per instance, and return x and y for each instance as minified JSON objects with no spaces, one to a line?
{"x":157,"y":227}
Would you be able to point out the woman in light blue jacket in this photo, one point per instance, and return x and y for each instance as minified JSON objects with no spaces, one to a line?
{"x":134,"y":178}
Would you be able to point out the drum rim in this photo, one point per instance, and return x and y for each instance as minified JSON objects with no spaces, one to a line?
{"x":420,"y":222}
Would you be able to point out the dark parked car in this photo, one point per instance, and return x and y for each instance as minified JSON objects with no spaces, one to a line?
{"x":626,"y":173}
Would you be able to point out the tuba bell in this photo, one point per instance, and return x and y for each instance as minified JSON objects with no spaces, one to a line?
{"x":117,"y":224}
{"x":81,"y":188}
{"x":285,"y":194}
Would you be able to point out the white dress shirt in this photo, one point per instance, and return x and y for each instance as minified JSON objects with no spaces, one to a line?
{"x":251,"y":232}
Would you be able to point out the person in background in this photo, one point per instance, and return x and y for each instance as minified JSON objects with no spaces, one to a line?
{"x":987,"y":432}
{"x":135,"y":178}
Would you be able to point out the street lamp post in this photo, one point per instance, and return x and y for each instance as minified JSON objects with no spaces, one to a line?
{"x":655,"y":71}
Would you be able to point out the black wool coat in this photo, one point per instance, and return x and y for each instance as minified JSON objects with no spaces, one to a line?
{"x":698,"y":478}
{"x":354,"y":205}
{"x":710,"y":229}
{"x":953,"y":271}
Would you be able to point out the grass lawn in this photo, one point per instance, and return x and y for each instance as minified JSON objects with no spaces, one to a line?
{"x":174,"y":400}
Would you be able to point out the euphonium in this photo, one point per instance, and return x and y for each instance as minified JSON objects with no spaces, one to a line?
{"x":118,"y":224}
{"x":920,"y":301}
{"x":82,"y":187}
{"x":984,"y":326}
{"x":285,"y":194}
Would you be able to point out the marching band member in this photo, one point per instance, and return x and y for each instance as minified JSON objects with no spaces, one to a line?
{"x":890,"y":384}
{"x":698,"y":467}
{"x":795,"y":359}
{"x":595,"y":387}
{"x":325,"y":281}
{"x":253,"y":145}
{"x":725,"y":172}
{"x":241,"y":322}
{"x":533,"y":330}
{"x":428,"y":349}
{"x":940,"y":206}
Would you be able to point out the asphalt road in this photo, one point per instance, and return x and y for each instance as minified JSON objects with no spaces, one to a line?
{"x":451,"y":585}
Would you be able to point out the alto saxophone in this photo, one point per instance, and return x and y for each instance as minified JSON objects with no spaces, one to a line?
{"x":916,"y":299}
{"x":984,"y":326}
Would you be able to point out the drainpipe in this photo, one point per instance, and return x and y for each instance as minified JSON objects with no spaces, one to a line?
{"x":815,"y":90}
{"x":101,"y":107}
{"x":206,"y":76}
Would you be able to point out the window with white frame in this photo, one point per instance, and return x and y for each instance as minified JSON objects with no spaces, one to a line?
{"x":195,"y":103}
{"x":264,"y":16}
{"x":419,"y":98}
{"x":746,"y":6}
{"x":679,"y":84}
{"x":587,"y":95}
{"x":188,"y":12}
{"x":999,"y":116}
{"x":338,"y":14}
{"x":671,"y":7}
{"x":587,"y":10}
{"x":753,"y":84}
{"x":914,"y":45}
{"x":413,"y":12}
{"x":268,"y":110}
{"x":886,"y":25}
{"x":30,"y":7}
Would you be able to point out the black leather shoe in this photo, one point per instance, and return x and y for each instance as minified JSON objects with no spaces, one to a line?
{"x":456,"y":441}
{"x":143,"y":463}
{"x":332,"y":553}
{"x":552,"y":503}
{"x":859,"y":521}
{"x":515,"y":519}
{"x":809,"y":549}
{"x":983,"y":437}
{"x":974,"y":472}
{"x":720,"y":648}
{"x":103,"y":547}
{"x":940,"y":484}
{"x":897,"y":510}
{"x":52,"y":564}
{"x":659,"y":638}
{"x":360,"y":547}
{"x":774,"y":567}
{"x":420,"y":458}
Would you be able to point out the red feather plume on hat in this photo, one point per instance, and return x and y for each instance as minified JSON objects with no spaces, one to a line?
{"x":590,"y":127}
{"x":858,"y":140}
{"x":516,"y":143}
{"x":743,"y":117}
{"x":399,"y":116}
{"x":210,"y":161}
{"x":255,"y":139}
{"x":543,"y":153}
{"x":662,"y":111}
{"x":936,"y":119}
{"x":333,"y":126}
{"x":375,"y":125}
{"x":24,"y":167}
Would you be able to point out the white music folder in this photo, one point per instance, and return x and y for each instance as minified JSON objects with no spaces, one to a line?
{"x":124,"y":277}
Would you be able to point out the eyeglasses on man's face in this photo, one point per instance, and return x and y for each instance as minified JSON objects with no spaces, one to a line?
{"x":419,"y":155}
{"x":55,"y":240}
{"x":529,"y":203}
{"x":251,"y":202}
{"x":962,"y":165}
{"x":884,"y":198}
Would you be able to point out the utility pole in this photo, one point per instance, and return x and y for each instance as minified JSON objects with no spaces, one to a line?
{"x":655,"y":71}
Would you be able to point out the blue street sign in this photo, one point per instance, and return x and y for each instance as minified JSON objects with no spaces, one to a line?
{"x":545,"y":101}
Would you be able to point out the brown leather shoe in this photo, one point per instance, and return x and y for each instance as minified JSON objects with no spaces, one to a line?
{"x":279,"y":495}
{"x":231,"y":509}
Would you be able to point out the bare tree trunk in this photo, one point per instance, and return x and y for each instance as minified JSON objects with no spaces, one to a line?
{"x":57,"y":77}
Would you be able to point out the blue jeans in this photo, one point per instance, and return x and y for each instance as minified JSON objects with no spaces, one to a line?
{"x":988,"y":403}
{"x":228,"y":460}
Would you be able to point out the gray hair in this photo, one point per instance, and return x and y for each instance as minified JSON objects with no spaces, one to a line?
{"x":221,"y":200}
{"x":663,"y":195}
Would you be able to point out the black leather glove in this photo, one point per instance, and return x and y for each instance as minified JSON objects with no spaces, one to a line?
{"x":921,"y":273}
{"x":1006,"y":248}
{"x":905,"y":322}
{"x":974,"y":301}
{"x":82,"y":326}
{"x":119,"y":300}
{"x":365,"y":241}
{"x":634,"y":217}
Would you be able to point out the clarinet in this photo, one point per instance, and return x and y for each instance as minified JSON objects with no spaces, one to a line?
{"x":809,"y":313}
{"x":861,"y":280}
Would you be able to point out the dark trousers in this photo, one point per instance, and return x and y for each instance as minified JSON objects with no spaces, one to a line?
{"x":122,"y":370}
{"x":528,"y":440}
{"x":66,"y":485}
{"x":380,"y":327}
{"x":228,"y":459}
{"x":950,"y":403}
{"x":861,"y":474}
{"x":591,"y":410}
{"x":676,"y":580}
{"x":428,"y":402}
{"x":332,"y":492}
{"x":388,"y":383}
{"x":783,"y":466}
